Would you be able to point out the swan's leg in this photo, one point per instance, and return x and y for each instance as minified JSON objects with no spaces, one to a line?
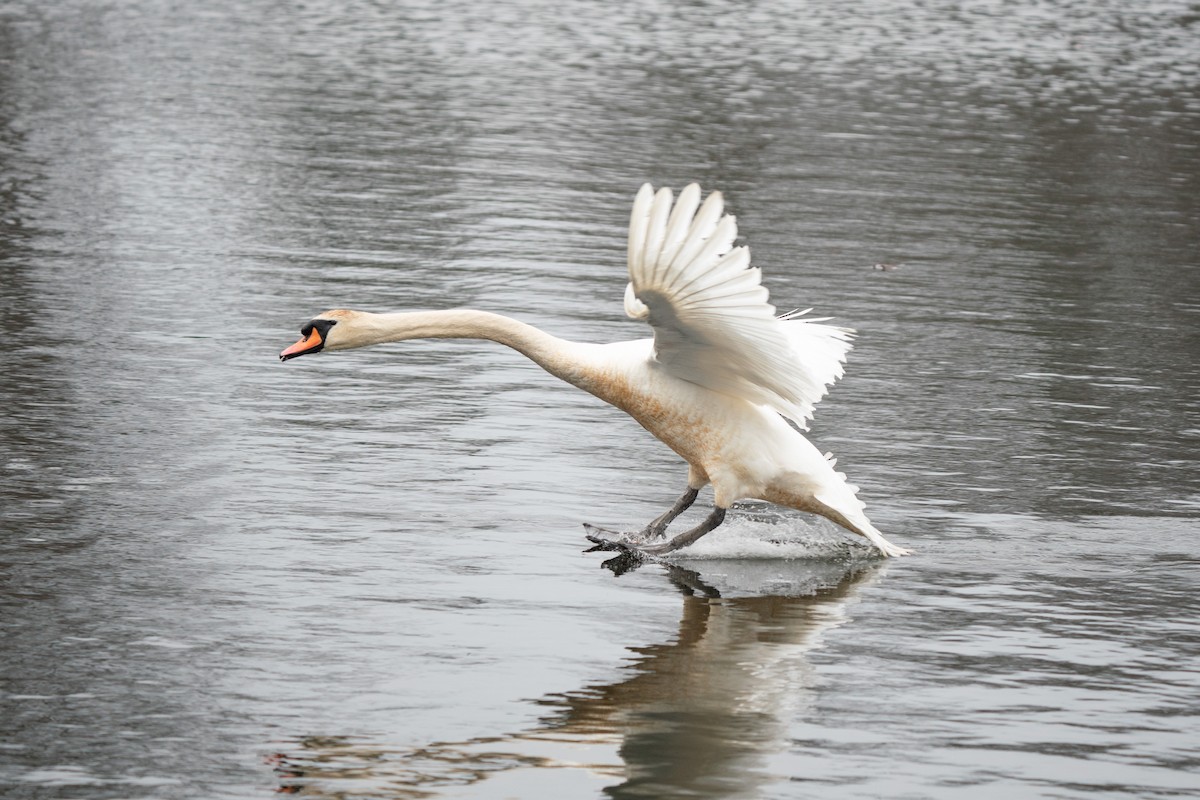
{"x":656,"y":529}
{"x":688,"y":537}
{"x":682,"y":540}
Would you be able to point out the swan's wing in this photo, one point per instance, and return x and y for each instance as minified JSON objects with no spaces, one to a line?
{"x":712,"y":323}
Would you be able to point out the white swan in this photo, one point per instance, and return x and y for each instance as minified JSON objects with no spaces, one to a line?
{"x":717,"y":384}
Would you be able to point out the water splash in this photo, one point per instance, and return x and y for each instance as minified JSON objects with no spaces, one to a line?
{"x":775,"y":536}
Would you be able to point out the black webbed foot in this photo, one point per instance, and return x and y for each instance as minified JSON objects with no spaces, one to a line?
{"x":619,"y":539}
{"x":614,"y":542}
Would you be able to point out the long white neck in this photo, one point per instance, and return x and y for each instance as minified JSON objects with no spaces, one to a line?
{"x":559,"y":357}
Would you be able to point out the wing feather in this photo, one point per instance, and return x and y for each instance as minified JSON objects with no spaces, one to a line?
{"x":639,"y":221}
{"x":701,"y":228}
{"x":656,"y":231}
{"x":712,"y":319}
{"x":680,"y":223}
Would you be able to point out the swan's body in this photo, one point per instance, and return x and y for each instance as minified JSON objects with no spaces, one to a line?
{"x":717,"y":384}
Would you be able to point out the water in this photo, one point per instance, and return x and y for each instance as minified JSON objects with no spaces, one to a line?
{"x":360,"y":575}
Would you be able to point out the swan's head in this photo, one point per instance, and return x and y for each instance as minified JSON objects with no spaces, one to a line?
{"x":332,"y":330}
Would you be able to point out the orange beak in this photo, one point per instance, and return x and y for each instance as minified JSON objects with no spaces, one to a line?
{"x":306,"y":345}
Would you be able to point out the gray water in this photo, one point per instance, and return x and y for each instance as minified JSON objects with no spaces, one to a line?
{"x":360,"y":575}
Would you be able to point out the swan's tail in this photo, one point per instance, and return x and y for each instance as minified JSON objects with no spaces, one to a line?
{"x":858,"y":523}
{"x":841,"y":504}
{"x":887,"y":548}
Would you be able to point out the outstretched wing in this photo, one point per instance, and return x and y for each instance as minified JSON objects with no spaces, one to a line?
{"x":712,"y":322}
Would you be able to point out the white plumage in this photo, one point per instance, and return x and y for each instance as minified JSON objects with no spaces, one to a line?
{"x":715,"y":384}
{"x":712,"y":322}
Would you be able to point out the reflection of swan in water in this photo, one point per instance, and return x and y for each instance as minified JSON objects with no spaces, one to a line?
{"x":697,"y":717}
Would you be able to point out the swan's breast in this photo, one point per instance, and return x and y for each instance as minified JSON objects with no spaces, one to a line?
{"x":691,"y":420}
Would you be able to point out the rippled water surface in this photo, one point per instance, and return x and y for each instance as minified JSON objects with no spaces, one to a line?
{"x":359,"y":575}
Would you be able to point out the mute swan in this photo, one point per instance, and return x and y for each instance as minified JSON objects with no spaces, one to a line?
{"x":718,"y":383}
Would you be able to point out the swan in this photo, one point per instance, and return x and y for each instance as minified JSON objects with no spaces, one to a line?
{"x":725,"y":383}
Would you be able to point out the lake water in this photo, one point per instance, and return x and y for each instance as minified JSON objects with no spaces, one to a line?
{"x":360,"y":575}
